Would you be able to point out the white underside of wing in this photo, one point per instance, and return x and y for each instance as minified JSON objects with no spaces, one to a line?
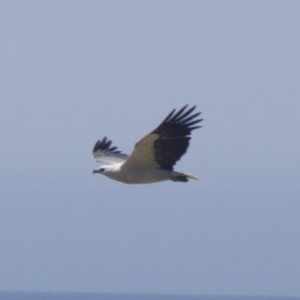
{"x":143,"y":153}
{"x":108,"y":157}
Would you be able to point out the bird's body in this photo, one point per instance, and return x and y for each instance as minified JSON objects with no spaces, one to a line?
{"x":154,"y":156}
{"x":130,"y":174}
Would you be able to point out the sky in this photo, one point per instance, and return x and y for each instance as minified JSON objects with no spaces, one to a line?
{"x":72,"y":72}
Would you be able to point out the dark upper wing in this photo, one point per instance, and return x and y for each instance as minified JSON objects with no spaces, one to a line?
{"x":165,"y":145}
{"x":103,"y":152}
{"x":174,"y":135}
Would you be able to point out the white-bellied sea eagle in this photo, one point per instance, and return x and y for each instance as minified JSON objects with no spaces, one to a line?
{"x":154,"y":156}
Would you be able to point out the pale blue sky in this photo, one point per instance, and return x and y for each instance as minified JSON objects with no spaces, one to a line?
{"x":74,"y":71}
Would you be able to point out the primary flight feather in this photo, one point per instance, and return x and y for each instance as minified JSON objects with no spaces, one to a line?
{"x":154,"y":156}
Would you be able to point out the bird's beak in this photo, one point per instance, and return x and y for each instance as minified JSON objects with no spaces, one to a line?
{"x":96,"y":171}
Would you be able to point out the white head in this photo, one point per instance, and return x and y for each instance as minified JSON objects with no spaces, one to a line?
{"x":104,"y":170}
{"x":110,"y":171}
{"x":114,"y":171}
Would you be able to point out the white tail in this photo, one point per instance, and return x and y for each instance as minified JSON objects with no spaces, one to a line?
{"x":191,"y":176}
{"x":183,"y":177}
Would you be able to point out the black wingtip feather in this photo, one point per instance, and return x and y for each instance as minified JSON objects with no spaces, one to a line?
{"x":187,"y":113}
{"x":104,"y":145}
{"x":178,"y":124}
{"x":181,"y":111}
{"x":168,"y":116}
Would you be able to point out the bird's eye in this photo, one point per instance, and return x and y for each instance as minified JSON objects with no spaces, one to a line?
{"x":102,"y":170}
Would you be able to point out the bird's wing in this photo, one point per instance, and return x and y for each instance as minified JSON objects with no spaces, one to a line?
{"x":103,"y":152}
{"x":165,"y":145}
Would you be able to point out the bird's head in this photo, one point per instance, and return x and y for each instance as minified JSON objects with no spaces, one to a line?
{"x":107,"y":170}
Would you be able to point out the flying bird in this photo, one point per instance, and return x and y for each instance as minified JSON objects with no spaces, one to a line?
{"x":154,"y":156}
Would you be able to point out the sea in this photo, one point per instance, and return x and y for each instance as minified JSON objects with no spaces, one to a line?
{"x":6,"y":295}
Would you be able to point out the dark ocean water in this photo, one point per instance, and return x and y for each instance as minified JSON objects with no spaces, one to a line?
{"x":95,"y":296}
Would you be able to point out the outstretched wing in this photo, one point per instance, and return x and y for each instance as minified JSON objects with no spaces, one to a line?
{"x":165,"y":145}
{"x":103,"y":152}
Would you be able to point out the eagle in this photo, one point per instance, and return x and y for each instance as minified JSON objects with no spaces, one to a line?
{"x":154,"y":156}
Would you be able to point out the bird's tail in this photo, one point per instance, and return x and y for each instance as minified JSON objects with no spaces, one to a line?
{"x":183,"y":177}
{"x":192,"y":176}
